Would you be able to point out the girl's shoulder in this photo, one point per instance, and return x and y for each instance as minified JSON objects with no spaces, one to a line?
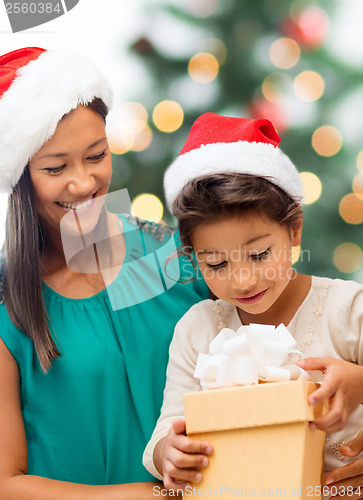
{"x":209,"y":312}
{"x":336,"y":288}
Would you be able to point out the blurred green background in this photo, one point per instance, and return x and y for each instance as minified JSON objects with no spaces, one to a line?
{"x":262,"y":58}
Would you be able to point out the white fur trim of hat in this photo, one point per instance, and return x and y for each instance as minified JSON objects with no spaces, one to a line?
{"x":218,"y":144}
{"x":37,"y":88}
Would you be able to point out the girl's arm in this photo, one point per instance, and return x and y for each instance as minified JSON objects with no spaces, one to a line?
{"x":166,"y":453}
{"x":349,"y":478}
{"x":176,"y":456}
{"x":15,"y":483}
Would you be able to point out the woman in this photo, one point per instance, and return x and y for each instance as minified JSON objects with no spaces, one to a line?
{"x":88,"y":311}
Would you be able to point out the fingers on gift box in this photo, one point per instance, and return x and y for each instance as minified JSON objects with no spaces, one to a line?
{"x":260,"y":433}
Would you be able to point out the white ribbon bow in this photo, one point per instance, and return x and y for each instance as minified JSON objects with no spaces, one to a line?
{"x":252,"y":353}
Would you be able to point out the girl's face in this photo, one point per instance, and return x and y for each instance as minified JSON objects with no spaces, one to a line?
{"x":72,"y":168}
{"x":246,"y":260}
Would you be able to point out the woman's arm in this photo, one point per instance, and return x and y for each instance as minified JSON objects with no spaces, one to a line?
{"x":15,"y":483}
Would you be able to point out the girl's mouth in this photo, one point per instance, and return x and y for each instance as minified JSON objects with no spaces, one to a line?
{"x":252,"y":299}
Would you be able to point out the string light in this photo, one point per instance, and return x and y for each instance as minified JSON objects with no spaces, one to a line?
{"x":284,"y":53}
{"x":327,"y":140}
{"x":295,"y":254}
{"x":274,"y":86}
{"x":360,"y":161}
{"x":312,"y":187}
{"x":202,"y":8}
{"x":147,"y":206}
{"x":168,"y":116}
{"x":203,"y":67}
{"x":216,"y":47}
{"x":309,"y":86}
{"x":348,"y":258}
{"x":358,"y":184}
{"x":351,"y":208}
{"x":127,"y":128}
{"x":142,"y":139}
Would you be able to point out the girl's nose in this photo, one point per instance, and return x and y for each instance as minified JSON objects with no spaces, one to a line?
{"x":82,"y":182}
{"x":243,"y":278}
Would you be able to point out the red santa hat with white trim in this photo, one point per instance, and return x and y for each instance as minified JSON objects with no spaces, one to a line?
{"x":221,"y":144}
{"x":37,"y":88}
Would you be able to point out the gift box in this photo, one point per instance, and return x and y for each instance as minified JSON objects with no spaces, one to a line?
{"x":263,"y":444}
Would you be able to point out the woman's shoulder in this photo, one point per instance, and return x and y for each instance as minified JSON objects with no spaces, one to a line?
{"x":159,"y":232}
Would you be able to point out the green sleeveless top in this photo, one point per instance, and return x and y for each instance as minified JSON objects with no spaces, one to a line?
{"x":88,"y":420}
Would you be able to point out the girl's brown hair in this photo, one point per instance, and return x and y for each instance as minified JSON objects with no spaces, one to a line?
{"x":211,"y":197}
{"x":21,"y":269}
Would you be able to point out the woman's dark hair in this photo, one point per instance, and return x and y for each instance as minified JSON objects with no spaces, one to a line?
{"x":211,"y":197}
{"x":22,"y":271}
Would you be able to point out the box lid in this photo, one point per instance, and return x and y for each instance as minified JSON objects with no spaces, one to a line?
{"x":251,"y":406}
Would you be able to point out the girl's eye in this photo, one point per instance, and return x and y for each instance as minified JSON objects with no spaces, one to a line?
{"x":55,"y":170}
{"x":217,"y":266}
{"x":261,"y":256}
{"x":98,"y":157}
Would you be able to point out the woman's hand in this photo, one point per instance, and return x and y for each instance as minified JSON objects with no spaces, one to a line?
{"x":347,"y":481}
{"x":342,"y":386}
{"x":181,"y":456}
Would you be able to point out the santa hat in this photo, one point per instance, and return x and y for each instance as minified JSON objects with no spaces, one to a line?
{"x":37,"y":88}
{"x":223,"y":145}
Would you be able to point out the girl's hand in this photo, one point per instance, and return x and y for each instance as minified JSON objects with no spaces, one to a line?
{"x":342,"y":385}
{"x":181,"y":455}
{"x":348,"y":480}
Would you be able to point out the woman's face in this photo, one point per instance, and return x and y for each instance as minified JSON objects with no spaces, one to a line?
{"x":72,"y":169}
{"x":246,"y":260}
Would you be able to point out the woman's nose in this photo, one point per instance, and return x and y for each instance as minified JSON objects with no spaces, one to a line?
{"x":82,"y":181}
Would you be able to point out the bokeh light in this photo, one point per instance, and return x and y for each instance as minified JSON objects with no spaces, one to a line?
{"x":348,"y":258}
{"x":357,"y":184}
{"x":168,"y":116}
{"x":312,"y":187}
{"x":202,"y":8}
{"x":309,"y":86}
{"x":295,"y":254}
{"x":284,"y":53}
{"x":120,"y":138}
{"x":147,"y":206}
{"x":142,"y":139}
{"x":351,"y":208}
{"x":203,"y":67}
{"x":126,"y":126}
{"x":274,"y":87}
{"x":360,"y":161}
{"x":327,"y":140}
{"x":216,"y":47}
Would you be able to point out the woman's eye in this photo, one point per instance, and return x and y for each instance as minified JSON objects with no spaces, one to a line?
{"x":55,"y":170}
{"x":261,"y":256}
{"x":98,"y":157}
{"x":217,"y":266}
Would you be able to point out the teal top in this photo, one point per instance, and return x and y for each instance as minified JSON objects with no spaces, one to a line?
{"x":88,"y":420}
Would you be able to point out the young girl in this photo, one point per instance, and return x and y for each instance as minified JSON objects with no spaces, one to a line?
{"x":82,"y":364}
{"x":237,"y":199}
